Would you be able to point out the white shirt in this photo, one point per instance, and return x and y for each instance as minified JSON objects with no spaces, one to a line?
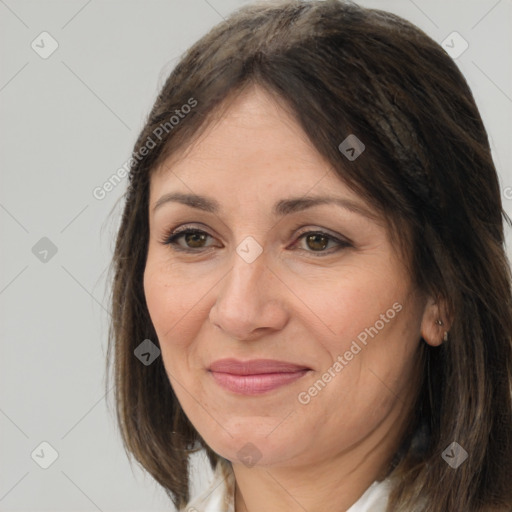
{"x":219,"y":497}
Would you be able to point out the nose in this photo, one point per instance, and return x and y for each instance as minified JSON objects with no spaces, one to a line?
{"x":251,"y":301}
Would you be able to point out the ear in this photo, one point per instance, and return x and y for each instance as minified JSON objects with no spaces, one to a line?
{"x":431,"y":330}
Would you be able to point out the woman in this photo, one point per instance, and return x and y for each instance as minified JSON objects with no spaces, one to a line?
{"x":310,"y":278}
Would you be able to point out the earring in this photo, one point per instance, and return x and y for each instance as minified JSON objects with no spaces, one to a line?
{"x":445,"y":337}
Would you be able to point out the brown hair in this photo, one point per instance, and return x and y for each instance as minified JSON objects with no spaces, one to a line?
{"x":343,"y":69}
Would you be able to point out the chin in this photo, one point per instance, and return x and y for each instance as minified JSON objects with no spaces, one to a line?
{"x":246,"y":447}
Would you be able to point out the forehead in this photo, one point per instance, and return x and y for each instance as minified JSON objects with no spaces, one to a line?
{"x":255,"y":142}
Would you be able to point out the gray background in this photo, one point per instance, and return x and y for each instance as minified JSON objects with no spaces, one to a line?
{"x":68,"y":122}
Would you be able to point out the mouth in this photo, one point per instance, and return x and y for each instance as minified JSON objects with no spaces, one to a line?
{"x":256,"y":376}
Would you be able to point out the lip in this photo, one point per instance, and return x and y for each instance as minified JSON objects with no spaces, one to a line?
{"x":255,"y":376}
{"x":254,"y":366}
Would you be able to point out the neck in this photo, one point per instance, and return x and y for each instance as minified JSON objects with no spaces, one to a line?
{"x":334,"y":483}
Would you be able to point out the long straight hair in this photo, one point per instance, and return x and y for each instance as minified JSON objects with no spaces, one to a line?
{"x":342,"y":69}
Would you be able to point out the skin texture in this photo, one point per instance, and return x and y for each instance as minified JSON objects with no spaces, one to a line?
{"x":292,"y":304}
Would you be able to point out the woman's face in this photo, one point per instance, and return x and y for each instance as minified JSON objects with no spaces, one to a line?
{"x":260,"y":282}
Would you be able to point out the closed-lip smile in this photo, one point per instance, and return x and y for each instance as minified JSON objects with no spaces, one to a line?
{"x":255,"y":376}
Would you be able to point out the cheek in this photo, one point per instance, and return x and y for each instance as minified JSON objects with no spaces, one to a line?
{"x":374,"y":330}
{"x":177,"y":310}
{"x":350,"y":305}
{"x":159,"y":299}
{"x":168,"y":297}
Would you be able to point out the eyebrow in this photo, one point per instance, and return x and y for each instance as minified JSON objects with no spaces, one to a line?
{"x":281,"y":208}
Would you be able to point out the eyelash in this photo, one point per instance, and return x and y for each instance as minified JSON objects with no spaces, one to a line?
{"x":171,"y":238}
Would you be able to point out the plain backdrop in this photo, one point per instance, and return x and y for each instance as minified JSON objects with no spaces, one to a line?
{"x":68,"y":121}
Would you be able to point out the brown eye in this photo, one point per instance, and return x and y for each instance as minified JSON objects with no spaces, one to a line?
{"x":317,"y":241}
{"x":195,"y":239}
